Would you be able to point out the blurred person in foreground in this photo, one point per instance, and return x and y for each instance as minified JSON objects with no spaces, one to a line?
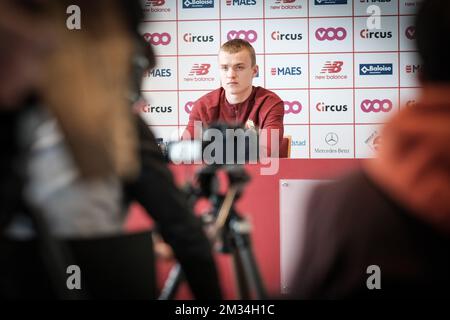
{"x":73,"y":156}
{"x":384,"y":231}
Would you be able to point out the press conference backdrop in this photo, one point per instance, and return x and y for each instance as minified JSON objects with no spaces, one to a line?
{"x":340,"y":69}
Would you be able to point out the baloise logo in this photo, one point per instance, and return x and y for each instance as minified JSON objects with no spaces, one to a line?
{"x":157,"y":39}
{"x":376,"y":105}
{"x":188,"y":37}
{"x":370,"y":69}
{"x":329,"y":2}
{"x":276,"y":35}
{"x":198,"y":4}
{"x":249,"y":35}
{"x":330,"y":34}
{"x":294,"y":107}
{"x":200,"y":69}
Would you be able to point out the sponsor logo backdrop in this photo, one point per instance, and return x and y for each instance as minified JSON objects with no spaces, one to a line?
{"x":340,"y":78}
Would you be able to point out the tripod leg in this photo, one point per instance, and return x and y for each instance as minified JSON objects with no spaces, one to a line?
{"x":172,"y":283}
{"x":247,"y":259}
{"x":243,"y":290}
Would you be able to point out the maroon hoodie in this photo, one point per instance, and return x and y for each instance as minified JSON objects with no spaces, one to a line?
{"x":413,"y":164}
{"x":263,"y":109}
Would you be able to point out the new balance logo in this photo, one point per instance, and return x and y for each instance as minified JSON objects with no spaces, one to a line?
{"x":332,"y":67}
{"x":200,"y":69}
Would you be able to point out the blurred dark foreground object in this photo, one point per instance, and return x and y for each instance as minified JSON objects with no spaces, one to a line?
{"x":82,"y":76}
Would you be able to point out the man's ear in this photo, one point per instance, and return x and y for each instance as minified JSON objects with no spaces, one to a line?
{"x":255,"y":70}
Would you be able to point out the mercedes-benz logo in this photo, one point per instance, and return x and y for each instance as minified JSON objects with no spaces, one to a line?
{"x":331,"y":139}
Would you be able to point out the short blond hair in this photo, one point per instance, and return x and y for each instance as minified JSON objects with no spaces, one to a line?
{"x":237,"y":45}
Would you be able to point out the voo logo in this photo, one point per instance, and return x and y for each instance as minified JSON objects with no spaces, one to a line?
{"x":376,"y":105}
{"x":200,"y":69}
{"x":294,"y":107}
{"x":276,"y":35}
{"x":157,"y":39}
{"x":249,"y":36}
{"x":330,"y":34}
{"x":410,"y":33}
{"x":188,"y":107}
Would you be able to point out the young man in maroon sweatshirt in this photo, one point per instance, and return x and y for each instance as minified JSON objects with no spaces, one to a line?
{"x":238,"y":102}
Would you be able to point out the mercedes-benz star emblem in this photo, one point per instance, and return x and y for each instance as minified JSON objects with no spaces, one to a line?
{"x":331,"y":139}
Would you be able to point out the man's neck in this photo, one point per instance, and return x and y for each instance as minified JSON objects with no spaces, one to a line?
{"x":238,"y":98}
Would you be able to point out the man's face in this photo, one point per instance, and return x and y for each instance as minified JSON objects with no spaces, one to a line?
{"x":236,"y":71}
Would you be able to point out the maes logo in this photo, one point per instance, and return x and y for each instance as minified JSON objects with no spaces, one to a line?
{"x":158,"y":73}
{"x":198,"y":4}
{"x":412,"y":68}
{"x":240,"y":2}
{"x":286,"y":71}
{"x":375,"y":69}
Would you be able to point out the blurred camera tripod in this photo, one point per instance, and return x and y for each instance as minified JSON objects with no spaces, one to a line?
{"x":230,"y":233}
